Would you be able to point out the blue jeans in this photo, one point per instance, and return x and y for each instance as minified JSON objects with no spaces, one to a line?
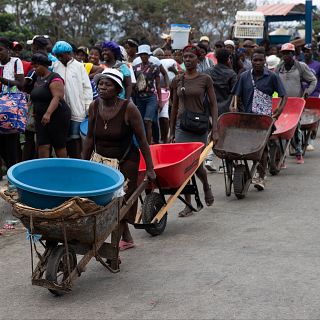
{"x":147,"y":107}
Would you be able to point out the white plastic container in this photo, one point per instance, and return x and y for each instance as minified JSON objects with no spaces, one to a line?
{"x":179,"y":35}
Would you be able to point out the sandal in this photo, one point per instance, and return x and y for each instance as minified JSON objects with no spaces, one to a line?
{"x":208,"y":197}
{"x":124,"y":245}
{"x":186,"y":212}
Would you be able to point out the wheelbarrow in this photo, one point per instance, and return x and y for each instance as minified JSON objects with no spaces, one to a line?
{"x":175,"y":165}
{"x":285,"y":128}
{"x":310,"y":121}
{"x":242,"y":138}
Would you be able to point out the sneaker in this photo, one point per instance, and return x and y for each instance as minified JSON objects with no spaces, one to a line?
{"x":259,"y":184}
{"x":299,"y":159}
{"x":210,"y":166}
{"x":310,"y":147}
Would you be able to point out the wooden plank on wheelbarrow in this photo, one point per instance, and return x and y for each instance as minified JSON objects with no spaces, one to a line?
{"x":134,"y":197}
{"x":174,"y":197}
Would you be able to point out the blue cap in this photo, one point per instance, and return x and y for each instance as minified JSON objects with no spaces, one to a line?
{"x":61,"y":47}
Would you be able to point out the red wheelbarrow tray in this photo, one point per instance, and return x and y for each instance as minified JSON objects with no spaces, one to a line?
{"x":311,"y":113}
{"x":289,"y":118}
{"x":173,"y":163}
{"x":242,"y":136}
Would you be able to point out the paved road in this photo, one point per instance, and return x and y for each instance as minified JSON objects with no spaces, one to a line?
{"x":258,"y":258}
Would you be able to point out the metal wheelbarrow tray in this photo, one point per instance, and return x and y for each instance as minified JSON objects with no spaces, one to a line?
{"x":67,"y":231}
{"x":242,"y":137}
{"x":285,"y":128}
{"x":175,"y":165}
{"x":310,"y":121}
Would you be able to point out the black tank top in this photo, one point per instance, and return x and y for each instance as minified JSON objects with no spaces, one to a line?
{"x":41,"y":96}
{"x":114,"y":141}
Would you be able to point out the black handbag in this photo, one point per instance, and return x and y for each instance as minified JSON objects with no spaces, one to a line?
{"x":194,"y":122}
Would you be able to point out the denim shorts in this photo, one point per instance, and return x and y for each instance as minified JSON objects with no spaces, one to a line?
{"x":74,"y":130}
{"x":148,"y":107}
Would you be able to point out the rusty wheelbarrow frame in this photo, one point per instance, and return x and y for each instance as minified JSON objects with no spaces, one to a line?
{"x":236,"y":150}
{"x":63,"y":239}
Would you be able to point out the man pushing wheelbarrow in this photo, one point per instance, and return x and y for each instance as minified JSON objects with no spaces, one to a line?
{"x":255,"y":88}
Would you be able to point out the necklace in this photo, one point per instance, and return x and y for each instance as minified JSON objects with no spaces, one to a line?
{"x":105,"y":122}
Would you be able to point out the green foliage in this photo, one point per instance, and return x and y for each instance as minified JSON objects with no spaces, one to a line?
{"x":87,"y":21}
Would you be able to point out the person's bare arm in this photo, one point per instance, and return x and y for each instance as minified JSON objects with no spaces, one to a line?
{"x":18,"y":81}
{"x":136,"y":123}
{"x":174,"y":111}
{"x":57,"y":91}
{"x":214,"y":113}
{"x":165,"y":76}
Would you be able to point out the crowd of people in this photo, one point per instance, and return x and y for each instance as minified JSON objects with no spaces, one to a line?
{"x":122,"y":90}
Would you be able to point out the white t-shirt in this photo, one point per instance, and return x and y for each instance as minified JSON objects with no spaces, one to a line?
{"x":152,"y":59}
{"x":10,"y":69}
{"x":167,"y":63}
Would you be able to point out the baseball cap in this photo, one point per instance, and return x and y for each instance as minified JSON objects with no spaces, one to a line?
{"x":109,"y":73}
{"x":16,"y":45}
{"x":288,"y":47}
{"x":205,"y":38}
{"x":41,"y":38}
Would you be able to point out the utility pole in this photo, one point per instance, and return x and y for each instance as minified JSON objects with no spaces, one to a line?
{"x":308,"y":36}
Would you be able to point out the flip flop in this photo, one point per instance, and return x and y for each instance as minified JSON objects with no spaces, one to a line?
{"x":124,"y":245}
{"x":186,"y":212}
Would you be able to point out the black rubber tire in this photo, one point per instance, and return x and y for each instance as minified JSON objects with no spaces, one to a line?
{"x":152,"y":203}
{"x":57,"y":262}
{"x":239,"y":180}
{"x":229,"y":180}
{"x":274,"y":158}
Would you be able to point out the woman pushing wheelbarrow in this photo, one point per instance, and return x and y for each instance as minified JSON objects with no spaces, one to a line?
{"x":255,"y":88}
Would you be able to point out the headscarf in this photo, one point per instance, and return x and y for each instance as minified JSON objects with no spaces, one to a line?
{"x":62,"y":47}
{"x":114,"y":48}
{"x":193,"y":49}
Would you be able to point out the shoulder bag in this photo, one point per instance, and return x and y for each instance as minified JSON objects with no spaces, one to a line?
{"x":194,"y":122}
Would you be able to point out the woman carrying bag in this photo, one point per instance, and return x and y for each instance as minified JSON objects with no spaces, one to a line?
{"x":11,"y":80}
{"x":190,"y":116}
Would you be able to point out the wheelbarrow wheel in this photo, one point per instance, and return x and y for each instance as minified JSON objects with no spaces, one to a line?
{"x":153,"y":202}
{"x":228,"y":176}
{"x":57,"y":267}
{"x":274,"y":158}
{"x":239,"y":180}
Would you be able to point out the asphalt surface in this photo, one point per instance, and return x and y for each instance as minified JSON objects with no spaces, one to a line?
{"x":257,"y":258}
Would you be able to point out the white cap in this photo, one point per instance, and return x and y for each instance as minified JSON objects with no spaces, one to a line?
{"x":30,"y":42}
{"x":229,"y":43}
{"x":144,"y":48}
{"x":112,"y":74}
{"x":272,"y":61}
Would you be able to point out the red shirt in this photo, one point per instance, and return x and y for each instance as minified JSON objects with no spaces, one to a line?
{"x":26,"y":67}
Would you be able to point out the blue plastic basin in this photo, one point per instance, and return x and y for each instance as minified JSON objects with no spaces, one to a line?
{"x":47,"y":183}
